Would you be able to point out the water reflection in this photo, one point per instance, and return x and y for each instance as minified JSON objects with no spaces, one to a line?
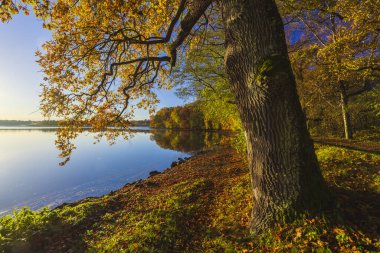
{"x":30,"y":174}
{"x":187,"y":141}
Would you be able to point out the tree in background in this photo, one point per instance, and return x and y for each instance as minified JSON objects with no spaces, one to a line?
{"x":335,"y":50}
{"x":179,"y":117}
{"x":105,"y":53}
{"x":201,"y":75}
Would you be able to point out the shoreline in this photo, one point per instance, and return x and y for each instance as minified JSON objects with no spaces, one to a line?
{"x":178,"y":161}
{"x":204,"y":205}
{"x":131,"y":184}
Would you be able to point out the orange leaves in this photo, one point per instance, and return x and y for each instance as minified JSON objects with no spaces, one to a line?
{"x":89,"y":38}
{"x":102,"y":56}
{"x":7,"y":9}
{"x":298,"y":233}
{"x":336,"y":41}
{"x":99,"y":60}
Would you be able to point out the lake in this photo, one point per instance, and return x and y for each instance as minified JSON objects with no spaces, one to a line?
{"x":30,"y":174}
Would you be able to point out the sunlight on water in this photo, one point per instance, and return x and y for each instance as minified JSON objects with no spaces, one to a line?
{"x":30,"y":175}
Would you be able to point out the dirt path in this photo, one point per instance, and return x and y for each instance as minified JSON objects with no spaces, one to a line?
{"x":366,"y":146}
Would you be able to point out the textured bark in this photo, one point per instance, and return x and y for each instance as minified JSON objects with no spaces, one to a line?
{"x":348,"y":133}
{"x":285,"y":174}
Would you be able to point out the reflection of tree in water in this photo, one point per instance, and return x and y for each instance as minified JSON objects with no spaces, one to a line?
{"x":186,"y":141}
{"x":183,"y":141}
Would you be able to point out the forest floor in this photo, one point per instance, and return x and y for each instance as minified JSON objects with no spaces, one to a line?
{"x":204,"y":205}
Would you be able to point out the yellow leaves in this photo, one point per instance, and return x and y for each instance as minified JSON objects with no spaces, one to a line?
{"x":7,"y":9}
{"x":338,"y":231}
{"x":342,"y":38}
{"x":341,"y":236}
{"x":89,"y":37}
{"x":298,"y":233}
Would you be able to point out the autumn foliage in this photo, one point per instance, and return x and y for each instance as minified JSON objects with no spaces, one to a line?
{"x":180,"y":117}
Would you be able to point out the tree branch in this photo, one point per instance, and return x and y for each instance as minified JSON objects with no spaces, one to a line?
{"x":196,"y":10}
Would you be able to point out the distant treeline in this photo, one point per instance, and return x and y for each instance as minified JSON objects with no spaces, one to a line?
{"x":28,"y":123}
{"x":189,"y":116}
{"x":53,"y":123}
{"x":144,"y":122}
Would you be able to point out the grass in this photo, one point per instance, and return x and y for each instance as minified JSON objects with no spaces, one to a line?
{"x":165,"y":222}
{"x":204,"y":205}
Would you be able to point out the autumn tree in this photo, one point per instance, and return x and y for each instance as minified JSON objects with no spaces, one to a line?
{"x":200,"y":74}
{"x":338,"y":40}
{"x":104,"y":54}
{"x":179,"y":117}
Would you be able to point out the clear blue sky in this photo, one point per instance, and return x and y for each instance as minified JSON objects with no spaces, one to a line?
{"x":20,"y":74}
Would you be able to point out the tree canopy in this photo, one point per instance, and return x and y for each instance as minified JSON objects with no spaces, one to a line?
{"x":107,"y":58}
{"x":334,"y":48}
{"x":103,"y":54}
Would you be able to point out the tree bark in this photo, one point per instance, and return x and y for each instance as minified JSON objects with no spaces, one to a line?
{"x":285,"y":173}
{"x":348,"y":133}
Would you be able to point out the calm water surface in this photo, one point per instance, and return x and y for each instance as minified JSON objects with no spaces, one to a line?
{"x":30,"y":174}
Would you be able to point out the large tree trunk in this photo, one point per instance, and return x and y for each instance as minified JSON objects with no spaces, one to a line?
{"x":348,"y":133}
{"x":285,"y":174}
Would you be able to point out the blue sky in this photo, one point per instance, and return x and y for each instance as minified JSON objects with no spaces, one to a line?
{"x":20,"y":74}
